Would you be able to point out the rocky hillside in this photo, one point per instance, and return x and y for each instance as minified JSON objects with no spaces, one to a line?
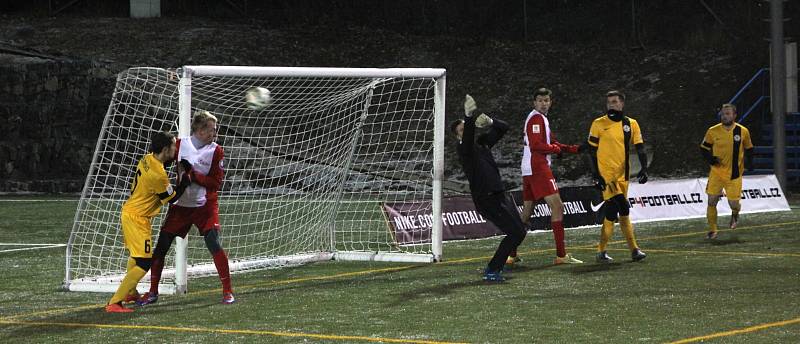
{"x":673,"y":92}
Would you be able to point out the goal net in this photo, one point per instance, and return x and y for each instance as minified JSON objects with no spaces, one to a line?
{"x":305,"y":178}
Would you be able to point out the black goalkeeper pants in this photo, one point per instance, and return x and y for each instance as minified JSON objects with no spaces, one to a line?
{"x":502,"y":212}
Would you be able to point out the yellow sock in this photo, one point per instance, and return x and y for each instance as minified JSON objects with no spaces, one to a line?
{"x":711,"y":216}
{"x":605,"y":234}
{"x":131,"y":264}
{"x":626,"y":227}
{"x":129,"y":282}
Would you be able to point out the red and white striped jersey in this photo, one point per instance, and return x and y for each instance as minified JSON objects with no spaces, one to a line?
{"x":538,"y":144}
{"x":207,"y":173}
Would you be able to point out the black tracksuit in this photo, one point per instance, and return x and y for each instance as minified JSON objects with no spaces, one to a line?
{"x":486,"y":186}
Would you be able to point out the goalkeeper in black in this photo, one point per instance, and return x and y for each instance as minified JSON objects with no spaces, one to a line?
{"x":486,"y":186}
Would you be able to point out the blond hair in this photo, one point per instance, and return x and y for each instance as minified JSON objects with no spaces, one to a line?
{"x":728,"y":105}
{"x":201,"y":118}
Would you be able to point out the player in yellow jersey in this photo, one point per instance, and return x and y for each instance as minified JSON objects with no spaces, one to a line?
{"x":149,"y":191}
{"x":725,"y":147}
{"x":610,"y":138}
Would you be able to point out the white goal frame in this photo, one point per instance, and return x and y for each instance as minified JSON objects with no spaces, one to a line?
{"x":187,"y":73}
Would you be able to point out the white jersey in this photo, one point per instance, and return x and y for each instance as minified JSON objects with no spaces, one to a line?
{"x":535,"y":125}
{"x":195,"y":194}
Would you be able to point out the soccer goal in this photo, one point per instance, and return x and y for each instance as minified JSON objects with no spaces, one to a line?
{"x":305,"y":177}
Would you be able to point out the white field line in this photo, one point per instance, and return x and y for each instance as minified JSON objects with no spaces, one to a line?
{"x":37,"y":247}
{"x":39,"y":200}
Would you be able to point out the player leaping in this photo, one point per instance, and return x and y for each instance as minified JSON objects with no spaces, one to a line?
{"x":201,"y":158}
{"x":485,"y":184}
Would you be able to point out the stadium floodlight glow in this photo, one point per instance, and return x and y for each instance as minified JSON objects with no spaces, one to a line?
{"x":305,"y":177}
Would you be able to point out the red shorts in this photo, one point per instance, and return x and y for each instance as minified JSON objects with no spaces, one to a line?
{"x":539,"y":185}
{"x":180,"y":219}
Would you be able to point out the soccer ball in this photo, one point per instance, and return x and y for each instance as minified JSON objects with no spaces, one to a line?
{"x":257,"y":98}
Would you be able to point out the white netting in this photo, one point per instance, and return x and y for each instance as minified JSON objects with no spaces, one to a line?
{"x":304,"y":177}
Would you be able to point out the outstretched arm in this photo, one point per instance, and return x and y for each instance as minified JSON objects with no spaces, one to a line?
{"x":574,"y":149}
{"x":496,"y":132}
{"x":537,"y":137}
{"x":468,"y":137}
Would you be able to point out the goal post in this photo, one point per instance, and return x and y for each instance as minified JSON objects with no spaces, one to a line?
{"x":305,"y":178}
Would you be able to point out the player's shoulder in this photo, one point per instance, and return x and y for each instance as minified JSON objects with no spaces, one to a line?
{"x":534,"y":116}
{"x":218,"y":150}
{"x":715,"y":127}
{"x":154,"y":167}
{"x":600,"y":119}
{"x":743,"y":128}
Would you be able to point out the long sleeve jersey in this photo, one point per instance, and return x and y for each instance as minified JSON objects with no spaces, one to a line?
{"x":476,"y":157}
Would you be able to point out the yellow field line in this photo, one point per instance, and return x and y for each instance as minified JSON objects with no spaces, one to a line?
{"x":739,"y":331}
{"x":730,"y":253}
{"x":211,"y":330}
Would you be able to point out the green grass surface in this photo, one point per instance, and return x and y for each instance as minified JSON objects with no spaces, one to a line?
{"x":687,"y":287}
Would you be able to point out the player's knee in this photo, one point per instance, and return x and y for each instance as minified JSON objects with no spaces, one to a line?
{"x":519,"y":235}
{"x":143,"y":263}
{"x":212,"y":241}
{"x":623,"y":207}
{"x":611,"y":210}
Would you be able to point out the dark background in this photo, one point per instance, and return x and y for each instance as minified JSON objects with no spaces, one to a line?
{"x":676,"y":60}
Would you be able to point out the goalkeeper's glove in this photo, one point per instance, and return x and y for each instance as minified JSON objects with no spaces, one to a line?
{"x":185,"y":165}
{"x":642,"y":176}
{"x":186,"y":179}
{"x":469,"y":106}
{"x":483,"y":121}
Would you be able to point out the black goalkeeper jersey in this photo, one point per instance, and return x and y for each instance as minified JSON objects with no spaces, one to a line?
{"x":477,"y":160}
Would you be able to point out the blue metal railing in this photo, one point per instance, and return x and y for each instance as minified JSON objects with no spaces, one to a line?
{"x":751,"y":98}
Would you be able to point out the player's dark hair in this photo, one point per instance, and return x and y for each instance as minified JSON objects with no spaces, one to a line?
{"x":544,"y":92}
{"x":454,"y":125}
{"x":615,"y":93}
{"x":160,"y":140}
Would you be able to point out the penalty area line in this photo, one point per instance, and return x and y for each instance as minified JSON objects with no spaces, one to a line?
{"x":728,"y":253}
{"x":739,"y":331}
{"x":227,"y":331}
